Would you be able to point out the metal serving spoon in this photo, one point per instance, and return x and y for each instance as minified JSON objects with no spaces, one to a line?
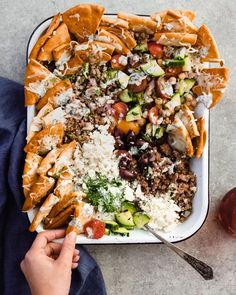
{"x":202,"y":268}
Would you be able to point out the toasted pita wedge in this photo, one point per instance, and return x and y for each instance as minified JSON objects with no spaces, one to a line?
{"x":64,"y":159}
{"x":175,"y":39}
{"x":205,"y":39}
{"x":177,"y":14}
{"x":97,"y":46}
{"x":57,"y":95}
{"x":45,"y":140}
{"x":82,"y":214}
{"x":43,"y":211}
{"x":114,"y":22}
{"x":83,"y":20}
{"x":47,"y":163}
{"x":222,"y":74}
{"x":73,"y":65}
{"x":29,"y":176}
{"x":37,"y":123}
{"x":62,"y":52}
{"x":187,"y":118}
{"x":42,"y":186}
{"x":61,"y":219}
{"x":139,"y":23}
{"x":60,"y":36}
{"x":65,"y":184}
{"x":38,"y":79}
{"x":41,"y":41}
{"x":124,"y":35}
{"x":55,"y":116}
{"x":179,"y":138}
{"x":201,"y":140}
{"x":107,"y":37}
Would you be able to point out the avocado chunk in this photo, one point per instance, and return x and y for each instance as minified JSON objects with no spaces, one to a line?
{"x":107,"y":232}
{"x":123,"y":79}
{"x":125,"y":218}
{"x":175,"y":63}
{"x":142,"y":47}
{"x":126,"y":205}
{"x":174,"y":102}
{"x":110,"y":224}
{"x":122,"y":231}
{"x":134,"y":113}
{"x":152,"y":68}
{"x":185,"y":85}
{"x":125,"y":96}
{"x":140,"y":219}
{"x":187,"y":65}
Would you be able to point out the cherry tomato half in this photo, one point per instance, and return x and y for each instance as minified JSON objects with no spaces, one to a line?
{"x":119,"y":62}
{"x":156,"y":50}
{"x":153,"y":115}
{"x":94,"y":229}
{"x":121,"y":110}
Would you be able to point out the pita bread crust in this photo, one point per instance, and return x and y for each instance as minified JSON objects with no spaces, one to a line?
{"x":61,"y":219}
{"x":41,"y":41}
{"x":65,"y":183}
{"x":178,"y":14}
{"x":60,"y":50}
{"x":37,"y":73}
{"x":139,"y":23}
{"x":68,"y":200}
{"x":179,"y":137}
{"x":43,"y":212}
{"x":52,"y":93}
{"x":201,"y":140}
{"x":120,"y":47}
{"x":39,"y":190}
{"x":45,"y":140}
{"x":223,"y":74}
{"x":59,"y":37}
{"x":124,"y":35}
{"x":175,"y":39}
{"x":114,"y":22}
{"x":83,"y":20}
{"x":32,"y":162}
{"x":107,"y":47}
{"x":206,"y":39}
{"x":73,"y":65}
{"x":186,"y":116}
{"x":48,"y":161}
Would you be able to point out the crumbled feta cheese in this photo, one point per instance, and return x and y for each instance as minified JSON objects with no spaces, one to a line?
{"x":206,"y":99}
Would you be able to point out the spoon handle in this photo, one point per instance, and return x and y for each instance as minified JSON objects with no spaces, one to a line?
{"x":201,"y":267}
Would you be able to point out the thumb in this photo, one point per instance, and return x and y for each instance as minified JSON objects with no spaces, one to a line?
{"x":67,"y":250}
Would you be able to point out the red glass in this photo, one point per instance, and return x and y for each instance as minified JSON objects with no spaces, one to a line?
{"x":227,"y":212}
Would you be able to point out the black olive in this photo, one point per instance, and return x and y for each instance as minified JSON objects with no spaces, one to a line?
{"x":144,"y":159}
{"x":151,"y":157}
{"x":119,"y":144}
{"x":140,"y":142}
{"x":131,"y":138}
{"x":127,"y":174}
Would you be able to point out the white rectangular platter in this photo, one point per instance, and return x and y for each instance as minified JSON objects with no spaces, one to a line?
{"x":200,"y":201}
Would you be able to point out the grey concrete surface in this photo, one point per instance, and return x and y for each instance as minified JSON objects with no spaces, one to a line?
{"x":153,"y":269}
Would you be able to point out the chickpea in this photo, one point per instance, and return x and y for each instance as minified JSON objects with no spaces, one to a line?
{"x":182,"y":75}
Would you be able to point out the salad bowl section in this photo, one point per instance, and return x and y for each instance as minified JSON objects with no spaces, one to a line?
{"x":118,"y":116}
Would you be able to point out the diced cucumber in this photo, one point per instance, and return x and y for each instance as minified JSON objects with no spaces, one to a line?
{"x":185,"y":85}
{"x":134,"y":113}
{"x":122,"y":231}
{"x":129,"y":227}
{"x":141,"y":219}
{"x":125,"y":96}
{"x":175,"y":63}
{"x":126,"y":205}
{"x":111,"y":224}
{"x":180,"y":53}
{"x":159,"y":132}
{"x":125,"y":218}
{"x":107,"y":232}
{"x":174,"y":102}
{"x":143,"y":47}
{"x":153,"y":69}
{"x":187,"y":65}
{"x":123,"y":79}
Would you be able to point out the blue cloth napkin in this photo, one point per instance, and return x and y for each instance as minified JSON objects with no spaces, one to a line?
{"x":15,"y":239}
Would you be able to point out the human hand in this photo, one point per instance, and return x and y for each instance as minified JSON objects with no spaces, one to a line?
{"x":47,"y":265}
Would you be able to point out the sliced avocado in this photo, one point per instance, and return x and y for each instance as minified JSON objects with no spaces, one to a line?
{"x":142,"y":47}
{"x":123,"y":79}
{"x":185,"y":85}
{"x":174,"y":102}
{"x":111,"y":224}
{"x":175,"y":63}
{"x":152,"y":68}
{"x":107,"y":232}
{"x":188,"y":64}
{"x":126,"y":205}
{"x":125,"y":96}
{"x":134,"y":113}
{"x":140,"y":219}
{"x":122,"y":231}
{"x":125,"y":218}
